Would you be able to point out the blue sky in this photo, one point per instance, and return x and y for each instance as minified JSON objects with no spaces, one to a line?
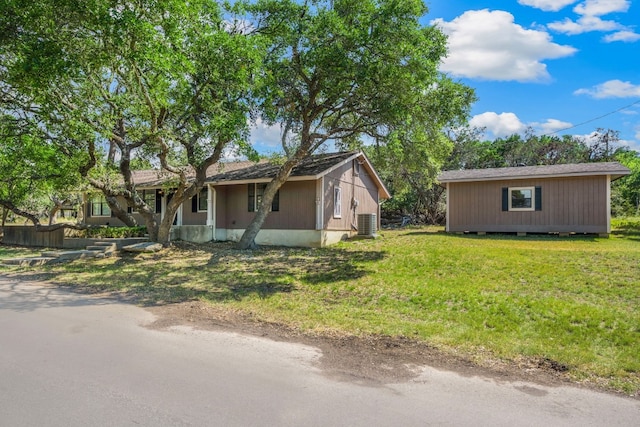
{"x":545,"y":64}
{"x":548,"y":64}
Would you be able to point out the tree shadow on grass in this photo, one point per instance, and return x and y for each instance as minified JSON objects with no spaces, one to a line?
{"x":224,"y":275}
{"x":313,"y":266}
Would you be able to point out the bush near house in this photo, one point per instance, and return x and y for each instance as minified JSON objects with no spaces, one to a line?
{"x":108,"y":232}
{"x":625,"y":225}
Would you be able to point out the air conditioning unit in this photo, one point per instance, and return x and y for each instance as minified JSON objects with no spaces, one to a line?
{"x":367,"y":224}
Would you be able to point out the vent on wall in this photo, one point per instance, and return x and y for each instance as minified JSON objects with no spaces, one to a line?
{"x":367,"y":224}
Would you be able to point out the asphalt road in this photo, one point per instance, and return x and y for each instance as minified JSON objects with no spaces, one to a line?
{"x":76,"y":360}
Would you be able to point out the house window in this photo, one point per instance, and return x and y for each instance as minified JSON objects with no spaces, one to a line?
{"x":149,"y":197}
{"x":256,"y":192}
{"x":518,"y":199}
{"x":203,"y":197}
{"x":337,"y":202}
{"x":99,"y":206}
{"x":521,"y":199}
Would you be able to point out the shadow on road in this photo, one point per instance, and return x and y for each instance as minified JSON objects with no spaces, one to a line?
{"x":28,"y":292}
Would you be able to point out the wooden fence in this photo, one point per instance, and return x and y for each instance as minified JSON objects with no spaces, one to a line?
{"x":29,"y":236}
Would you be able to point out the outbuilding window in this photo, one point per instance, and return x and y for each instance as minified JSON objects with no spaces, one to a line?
{"x":519,"y":199}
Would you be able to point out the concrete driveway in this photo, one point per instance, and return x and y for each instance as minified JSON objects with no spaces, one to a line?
{"x":75,"y":360}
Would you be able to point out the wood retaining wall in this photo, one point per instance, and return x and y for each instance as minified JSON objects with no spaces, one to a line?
{"x":29,"y":236}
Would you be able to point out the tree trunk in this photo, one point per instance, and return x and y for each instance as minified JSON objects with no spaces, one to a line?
{"x":52,"y":214}
{"x":27,"y":215}
{"x":171,"y":210}
{"x":164,"y":232}
{"x":120,"y":213}
{"x":247,"y":241}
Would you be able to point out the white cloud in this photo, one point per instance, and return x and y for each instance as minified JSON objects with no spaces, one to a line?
{"x":547,"y":5}
{"x":551,"y":126}
{"x":266,"y":135}
{"x":500,"y":125}
{"x":584,"y":25}
{"x":611,"y":89}
{"x":622,"y":36}
{"x":489,"y":45}
{"x":601,"y":7}
{"x":590,"y":12}
{"x":506,"y":124}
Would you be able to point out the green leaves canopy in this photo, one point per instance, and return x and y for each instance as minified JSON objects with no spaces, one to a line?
{"x":111,"y":80}
{"x":349,"y":71}
{"x":341,"y":69}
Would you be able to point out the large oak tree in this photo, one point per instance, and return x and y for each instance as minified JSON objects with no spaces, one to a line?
{"x":36,"y":179}
{"x":112,"y":80}
{"x":347,"y":71}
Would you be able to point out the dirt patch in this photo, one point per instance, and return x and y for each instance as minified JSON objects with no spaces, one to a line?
{"x":367,"y":360}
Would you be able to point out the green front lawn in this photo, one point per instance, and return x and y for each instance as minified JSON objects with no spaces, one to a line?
{"x":569,"y":301}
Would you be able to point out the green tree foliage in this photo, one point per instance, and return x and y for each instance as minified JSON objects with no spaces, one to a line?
{"x":35,"y":177}
{"x":155,"y":79}
{"x":626,"y":191}
{"x":342,"y":70}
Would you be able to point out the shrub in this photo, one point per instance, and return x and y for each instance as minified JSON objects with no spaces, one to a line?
{"x":105,"y":232}
{"x":626,"y":224}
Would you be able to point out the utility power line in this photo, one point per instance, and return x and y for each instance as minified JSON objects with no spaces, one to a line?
{"x":594,"y":119}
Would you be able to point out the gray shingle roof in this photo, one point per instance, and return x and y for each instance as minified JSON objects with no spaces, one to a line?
{"x":243,"y":171}
{"x":155,"y":177}
{"x":311,"y":166}
{"x":615,"y":169}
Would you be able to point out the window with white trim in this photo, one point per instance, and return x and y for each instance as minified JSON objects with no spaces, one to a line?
{"x":337,"y":202}
{"x":99,"y":206}
{"x":522,"y":198}
{"x":203,"y":198}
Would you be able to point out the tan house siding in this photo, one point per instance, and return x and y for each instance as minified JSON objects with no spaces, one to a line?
{"x":297,"y":207}
{"x":220,"y":206}
{"x":575,"y":204}
{"x":358,"y":187}
{"x":192,"y":218}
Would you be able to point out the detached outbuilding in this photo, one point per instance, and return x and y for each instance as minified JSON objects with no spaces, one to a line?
{"x":571,"y":198}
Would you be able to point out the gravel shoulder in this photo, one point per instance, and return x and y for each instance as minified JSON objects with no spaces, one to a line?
{"x":366,"y":360}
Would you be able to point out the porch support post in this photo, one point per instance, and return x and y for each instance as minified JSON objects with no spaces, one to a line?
{"x":211,"y":209}
{"x":608,"y":204}
{"x":447,"y":195}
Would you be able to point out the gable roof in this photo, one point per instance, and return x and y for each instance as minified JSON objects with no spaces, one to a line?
{"x":312,"y":168}
{"x":156,"y":177}
{"x":224,"y":173}
{"x":614,"y":169}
